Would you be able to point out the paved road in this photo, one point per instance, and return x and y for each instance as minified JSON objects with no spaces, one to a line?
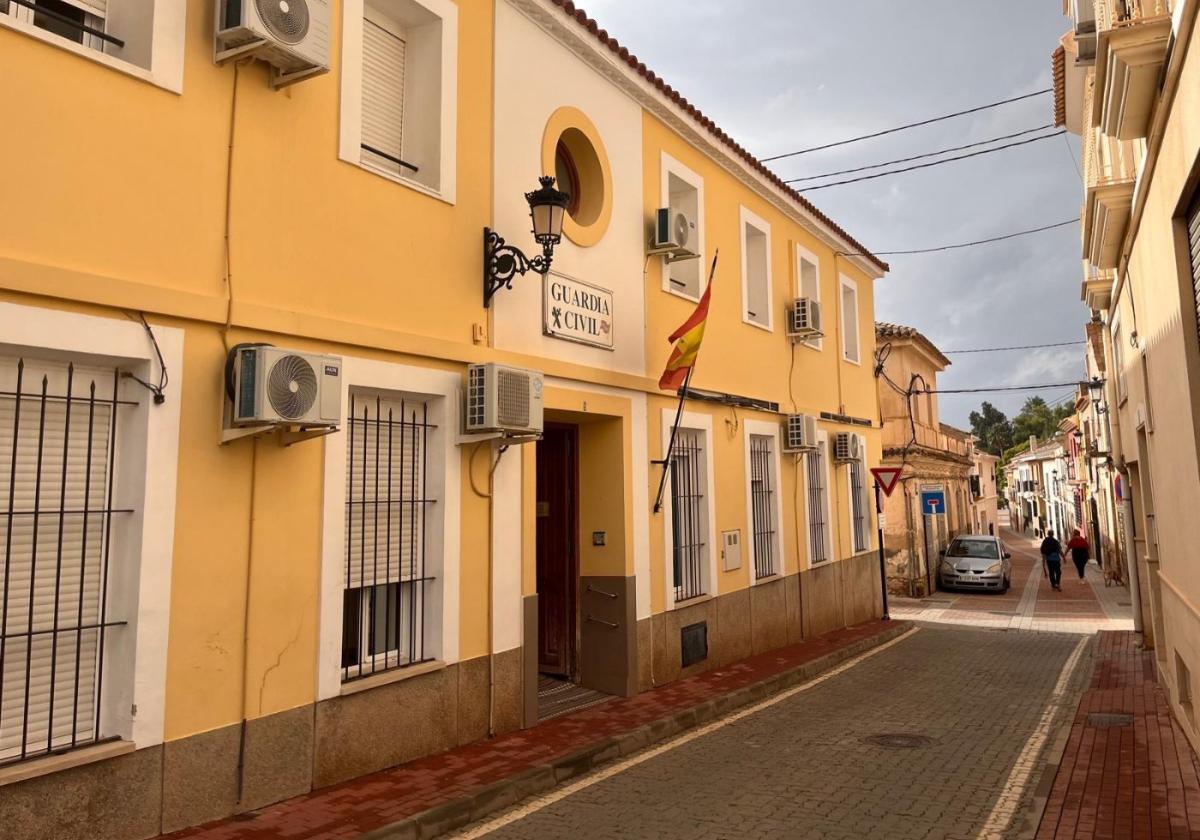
{"x":800,"y":768}
{"x":1083,"y":606}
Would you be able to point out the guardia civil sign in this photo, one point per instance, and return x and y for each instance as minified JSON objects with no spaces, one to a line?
{"x":576,"y":311}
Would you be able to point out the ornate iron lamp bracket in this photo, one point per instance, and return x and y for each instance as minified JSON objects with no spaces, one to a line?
{"x":502,"y":262}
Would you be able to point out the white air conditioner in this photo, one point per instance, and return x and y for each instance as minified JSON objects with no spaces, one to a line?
{"x":799,"y":433}
{"x":504,"y":399}
{"x":675,"y":235}
{"x":804,"y":318}
{"x":271,"y":386}
{"x":290,"y":35}
{"x":846,"y":447}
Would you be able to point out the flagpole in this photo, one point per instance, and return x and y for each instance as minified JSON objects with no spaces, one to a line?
{"x":666,"y":461}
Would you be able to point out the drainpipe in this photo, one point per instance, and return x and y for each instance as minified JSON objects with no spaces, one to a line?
{"x":1131,"y":549}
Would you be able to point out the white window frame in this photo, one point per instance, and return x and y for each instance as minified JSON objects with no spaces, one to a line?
{"x":701,"y":423}
{"x":759,"y":428}
{"x":1118,"y":359}
{"x":823,"y":443}
{"x":350,"y":127}
{"x":747,"y":217}
{"x":147,"y":453}
{"x":443,"y":460}
{"x":867,"y":501}
{"x":803,"y":254}
{"x":844,"y":283}
{"x":167,"y":36}
{"x":670,"y":166}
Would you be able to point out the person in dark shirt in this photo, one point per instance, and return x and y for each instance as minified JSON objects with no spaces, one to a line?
{"x":1052,"y":560}
{"x":1081,"y":552}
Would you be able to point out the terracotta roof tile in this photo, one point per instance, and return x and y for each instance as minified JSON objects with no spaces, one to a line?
{"x":571,"y":10}
{"x":885,"y":330}
{"x":1058,"y":62}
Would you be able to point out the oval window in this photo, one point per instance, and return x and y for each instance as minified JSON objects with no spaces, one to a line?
{"x":567,"y":177}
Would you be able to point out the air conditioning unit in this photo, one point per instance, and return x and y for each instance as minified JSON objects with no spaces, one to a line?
{"x":504,"y":399}
{"x":804,"y":318}
{"x":799,"y":433}
{"x":846,"y":447}
{"x":271,"y":386}
{"x":675,"y":235}
{"x":291,"y":35}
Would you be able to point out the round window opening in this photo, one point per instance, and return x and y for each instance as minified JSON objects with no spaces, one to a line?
{"x":579,"y":173}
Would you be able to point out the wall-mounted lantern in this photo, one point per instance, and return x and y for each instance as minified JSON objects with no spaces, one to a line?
{"x":1096,"y":391}
{"x":501,"y":262}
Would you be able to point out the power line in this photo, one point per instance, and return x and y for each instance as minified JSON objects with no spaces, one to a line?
{"x":1004,"y":388}
{"x":934,"y":163}
{"x":910,"y":125}
{"x":919,"y":157}
{"x":1015,"y":347}
{"x":964,"y":244}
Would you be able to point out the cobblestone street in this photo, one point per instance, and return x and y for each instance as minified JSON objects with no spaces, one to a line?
{"x":972,"y":709}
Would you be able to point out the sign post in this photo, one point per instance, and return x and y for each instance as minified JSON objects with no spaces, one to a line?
{"x":886,"y":479}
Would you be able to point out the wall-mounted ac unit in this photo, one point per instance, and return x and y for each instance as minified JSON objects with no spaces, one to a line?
{"x":804,"y":318}
{"x":675,"y":235}
{"x":504,"y":399}
{"x":847,"y":447}
{"x":271,"y":386}
{"x":290,"y":35}
{"x":799,"y":433}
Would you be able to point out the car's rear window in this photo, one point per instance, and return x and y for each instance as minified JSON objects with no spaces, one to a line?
{"x":974,"y":548}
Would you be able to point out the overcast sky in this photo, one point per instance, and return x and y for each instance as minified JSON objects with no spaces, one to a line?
{"x":782,"y":75}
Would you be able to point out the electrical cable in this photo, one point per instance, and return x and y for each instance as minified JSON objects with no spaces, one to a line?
{"x":910,"y":125}
{"x":1004,"y":388}
{"x":919,"y":157}
{"x":159,"y":390}
{"x":932,"y":163}
{"x":962,"y":244}
{"x":1071,"y":152}
{"x":1015,"y":347}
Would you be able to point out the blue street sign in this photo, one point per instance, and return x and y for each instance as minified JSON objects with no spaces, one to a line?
{"x":933,"y":502}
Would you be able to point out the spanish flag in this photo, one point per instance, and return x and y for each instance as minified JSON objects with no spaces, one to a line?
{"x":687,"y":341}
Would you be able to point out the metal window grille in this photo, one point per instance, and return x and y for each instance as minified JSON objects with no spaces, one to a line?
{"x":384,"y":609}
{"x":816,"y":505}
{"x":858,"y":506}
{"x":762,"y":504}
{"x":1193,"y":232}
{"x":58,"y":431}
{"x":687,"y":515}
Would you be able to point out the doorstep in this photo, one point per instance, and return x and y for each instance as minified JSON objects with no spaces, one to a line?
{"x":434,"y":795}
{"x":1126,"y":769}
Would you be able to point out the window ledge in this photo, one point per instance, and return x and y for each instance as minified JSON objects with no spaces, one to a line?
{"x":393,"y":676}
{"x":764,"y":327}
{"x":46,"y":765}
{"x":684,"y":295}
{"x":691,"y":602}
{"x":416,"y":186}
{"x":89,"y":53}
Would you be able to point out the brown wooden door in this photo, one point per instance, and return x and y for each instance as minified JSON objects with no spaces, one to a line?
{"x":557,"y":557}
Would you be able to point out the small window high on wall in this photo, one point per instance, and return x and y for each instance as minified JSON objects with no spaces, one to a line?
{"x":808,"y":284}
{"x":683,"y":191}
{"x":756,"y":270}
{"x":850,"y":338}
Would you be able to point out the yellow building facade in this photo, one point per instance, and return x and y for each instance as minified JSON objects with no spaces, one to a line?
{"x":196,"y":624}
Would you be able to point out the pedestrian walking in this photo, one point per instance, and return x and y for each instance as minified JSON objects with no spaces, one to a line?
{"x":1052,"y":560}
{"x":1081,"y":552}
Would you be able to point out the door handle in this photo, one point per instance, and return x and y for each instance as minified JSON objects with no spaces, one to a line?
{"x":612,"y":595}
{"x":611,"y":624}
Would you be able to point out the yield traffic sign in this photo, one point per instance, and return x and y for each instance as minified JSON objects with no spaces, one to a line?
{"x":886,"y":478}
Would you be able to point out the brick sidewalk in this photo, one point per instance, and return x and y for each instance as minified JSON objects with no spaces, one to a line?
{"x":1121,"y":778}
{"x":471,"y":781}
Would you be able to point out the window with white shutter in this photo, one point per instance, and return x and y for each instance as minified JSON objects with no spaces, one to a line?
{"x":386,"y":577}
{"x":384,"y":50}
{"x":1193,"y":229}
{"x":850,"y":337}
{"x":81,"y":21}
{"x":399,"y":91}
{"x":57,"y":526}
{"x":808,"y":284}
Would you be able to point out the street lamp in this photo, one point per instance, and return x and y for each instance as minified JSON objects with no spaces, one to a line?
{"x":1096,"y":391}
{"x":501,"y":262}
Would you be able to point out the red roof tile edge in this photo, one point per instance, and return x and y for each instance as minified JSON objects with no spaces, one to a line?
{"x":577,"y":14}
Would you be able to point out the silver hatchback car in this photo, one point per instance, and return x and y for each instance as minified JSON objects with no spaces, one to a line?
{"x":975,"y":562}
